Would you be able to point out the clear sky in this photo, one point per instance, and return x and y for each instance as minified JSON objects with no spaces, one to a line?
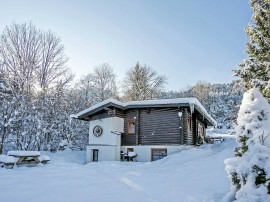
{"x":186,"y":40}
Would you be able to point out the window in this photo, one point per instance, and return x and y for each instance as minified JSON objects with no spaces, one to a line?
{"x":158,"y":153}
{"x":95,"y":155}
{"x":131,"y":127}
{"x":130,"y":149}
{"x":189,"y":122}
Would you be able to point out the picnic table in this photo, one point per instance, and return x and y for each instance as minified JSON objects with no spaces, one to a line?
{"x":23,"y":158}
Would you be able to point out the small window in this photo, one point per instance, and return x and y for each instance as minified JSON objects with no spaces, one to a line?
{"x":131,"y":127}
{"x":130,"y":149}
{"x":158,"y":153}
{"x":189,"y":122}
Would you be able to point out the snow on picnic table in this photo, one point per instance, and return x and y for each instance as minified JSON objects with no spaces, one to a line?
{"x":23,"y":153}
{"x":192,"y":175}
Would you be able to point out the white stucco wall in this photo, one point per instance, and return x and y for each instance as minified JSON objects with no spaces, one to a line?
{"x":105,"y":153}
{"x":144,"y":152}
{"x":108,"y":125}
{"x":108,"y":143}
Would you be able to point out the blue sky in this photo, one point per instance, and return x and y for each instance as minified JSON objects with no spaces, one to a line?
{"x":187,"y":40}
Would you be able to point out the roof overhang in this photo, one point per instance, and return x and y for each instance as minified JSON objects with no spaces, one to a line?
{"x":111,"y":103}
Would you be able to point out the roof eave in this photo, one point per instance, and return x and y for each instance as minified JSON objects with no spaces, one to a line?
{"x":157,"y":105}
{"x":134,"y":106}
{"x":110,"y":104}
{"x":206,"y":116}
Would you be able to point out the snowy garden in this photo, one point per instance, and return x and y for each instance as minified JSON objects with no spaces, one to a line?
{"x":191,"y":175}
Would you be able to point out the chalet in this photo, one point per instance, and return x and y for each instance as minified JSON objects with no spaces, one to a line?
{"x":152,"y":129}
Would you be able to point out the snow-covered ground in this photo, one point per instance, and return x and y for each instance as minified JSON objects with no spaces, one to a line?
{"x":191,"y":175}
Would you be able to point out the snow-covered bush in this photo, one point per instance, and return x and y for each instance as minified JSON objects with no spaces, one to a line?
{"x":249,"y":170}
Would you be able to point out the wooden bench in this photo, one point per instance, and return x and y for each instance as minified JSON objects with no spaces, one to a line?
{"x":7,"y":161}
{"x":44,"y":159}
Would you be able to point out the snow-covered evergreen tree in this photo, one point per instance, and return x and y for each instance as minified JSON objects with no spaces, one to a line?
{"x":254,"y":71}
{"x":249,"y":170}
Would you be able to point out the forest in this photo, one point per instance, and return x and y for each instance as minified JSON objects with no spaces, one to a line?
{"x":39,"y":92}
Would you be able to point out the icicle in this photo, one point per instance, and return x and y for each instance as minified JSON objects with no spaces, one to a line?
{"x":191,"y":105}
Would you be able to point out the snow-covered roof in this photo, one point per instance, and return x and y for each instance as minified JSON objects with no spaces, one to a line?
{"x":192,"y":102}
{"x":105,"y":102}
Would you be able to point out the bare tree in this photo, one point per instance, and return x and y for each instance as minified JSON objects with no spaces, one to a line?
{"x":32,"y":58}
{"x":52,"y":65}
{"x":86,"y":90}
{"x":201,"y":90}
{"x":104,"y":81}
{"x":142,"y":82}
{"x":20,"y":54}
{"x":96,"y":86}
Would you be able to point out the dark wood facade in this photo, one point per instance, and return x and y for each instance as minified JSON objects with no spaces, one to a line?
{"x":156,"y":126}
{"x":153,"y":126}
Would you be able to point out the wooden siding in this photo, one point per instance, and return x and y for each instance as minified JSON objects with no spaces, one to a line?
{"x":195,"y":128}
{"x":104,"y":114}
{"x":182,"y":128}
{"x":119,"y":113}
{"x":138,"y":127}
{"x":101,"y":115}
{"x":130,"y":139}
{"x":188,"y":135}
{"x":185,"y":125}
{"x":159,"y":126}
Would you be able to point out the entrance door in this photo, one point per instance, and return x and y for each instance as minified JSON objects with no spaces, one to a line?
{"x":95,"y":155}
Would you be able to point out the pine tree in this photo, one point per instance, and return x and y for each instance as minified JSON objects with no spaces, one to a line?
{"x":250,"y":168}
{"x":255,"y":70}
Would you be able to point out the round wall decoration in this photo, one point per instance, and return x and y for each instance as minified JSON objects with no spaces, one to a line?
{"x":97,"y":131}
